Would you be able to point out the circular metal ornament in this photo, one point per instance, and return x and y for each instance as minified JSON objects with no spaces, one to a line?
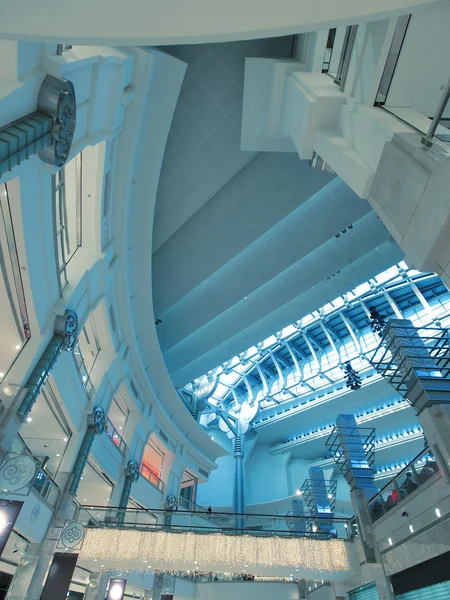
{"x":56,"y":99}
{"x":16,"y":473}
{"x":133,"y":470}
{"x":172,"y":502}
{"x":99,"y":420}
{"x":72,"y":534}
{"x":70,"y":330}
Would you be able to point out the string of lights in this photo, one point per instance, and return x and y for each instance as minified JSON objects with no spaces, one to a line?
{"x":213,"y":552}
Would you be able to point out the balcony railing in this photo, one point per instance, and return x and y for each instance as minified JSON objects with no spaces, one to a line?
{"x":82,"y":371}
{"x":115,"y":436}
{"x":422,"y":468}
{"x":67,"y":202}
{"x":186,"y":504}
{"x":150,"y":476}
{"x":260,"y":525}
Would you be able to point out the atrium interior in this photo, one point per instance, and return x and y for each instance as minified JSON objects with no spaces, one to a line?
{"x":224,"y":300}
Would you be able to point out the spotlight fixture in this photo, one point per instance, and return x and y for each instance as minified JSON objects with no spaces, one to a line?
{"x":438,"y":512}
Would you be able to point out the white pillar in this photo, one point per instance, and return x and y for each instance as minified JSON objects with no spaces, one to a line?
{"x":33,"y":570}
{"x":96,"y":590}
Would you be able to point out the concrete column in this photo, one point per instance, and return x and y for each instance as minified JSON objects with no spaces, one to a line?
{"x":24,"y":572}
{"x":32,"y":572}
{"x":239,"y":480}
{"x":435,"y":422}
{"x":97,"y":587}
{"x":95,"y":426}
{"x":163,"y":583}
{"x":384,"y":588}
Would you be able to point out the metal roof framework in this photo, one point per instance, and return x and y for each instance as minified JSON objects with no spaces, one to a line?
{"x":309,"y":355}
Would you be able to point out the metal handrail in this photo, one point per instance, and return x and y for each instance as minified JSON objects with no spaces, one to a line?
{"x":427,"y":139}
{"x":197,"y":507}
{"x":101,"y":516}
{"x":152,"y":478}
{"x":217,"y":513}
{"x":401,"y":473}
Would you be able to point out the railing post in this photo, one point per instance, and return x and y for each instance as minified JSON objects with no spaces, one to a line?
{"x":428,"y":139}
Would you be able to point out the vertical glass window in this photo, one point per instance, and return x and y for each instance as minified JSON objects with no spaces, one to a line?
{"x":13,"y":316}
{"x":68,"y":213}
{"x":89,"y":344}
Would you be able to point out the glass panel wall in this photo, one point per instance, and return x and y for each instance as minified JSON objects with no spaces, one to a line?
{"x":188,"y":490}
{"x":415,"y":85}
{"x":419,"y":470}
{"x":95,"y":488}
{"x":152,"y":464}
{"x":68,"y":217}
{"x":13,"y":312}
{"x":46,"y":432}
{"x":89,"y":344}
{"x":82,"y":370}
{"x":116,"y":421}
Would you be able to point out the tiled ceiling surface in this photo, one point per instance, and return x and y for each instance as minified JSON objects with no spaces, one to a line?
{"x":203,"y":149}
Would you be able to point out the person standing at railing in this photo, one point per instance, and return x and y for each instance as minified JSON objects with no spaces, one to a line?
{"x":209,"y":511}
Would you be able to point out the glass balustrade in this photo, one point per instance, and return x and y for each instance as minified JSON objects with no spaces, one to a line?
{"x":82,"y":371}
{"x":420,"y":469}
{"x":215,"y":522}
{"x":115,"y":436}
{"x":148,"y":473}
{"x":42,"y":483}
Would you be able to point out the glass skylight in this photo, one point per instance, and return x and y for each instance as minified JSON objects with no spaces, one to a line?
{"x":289,"y":364}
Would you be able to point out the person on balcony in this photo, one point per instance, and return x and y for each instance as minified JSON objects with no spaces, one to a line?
{"x":409,"y":485}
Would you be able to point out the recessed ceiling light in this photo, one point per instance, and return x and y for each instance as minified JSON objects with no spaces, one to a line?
{"x":17,"y":346}
{"x":58,"y":455}
{"x":390,"y":541}
{"x":66,"y":440}
{"x":2,"y":374}
{"x":330,"y":495}
{"x":438,"y":512}
{"x":29,"y":419}
{"x":411,"y":528}
{"x":298,"y":492}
